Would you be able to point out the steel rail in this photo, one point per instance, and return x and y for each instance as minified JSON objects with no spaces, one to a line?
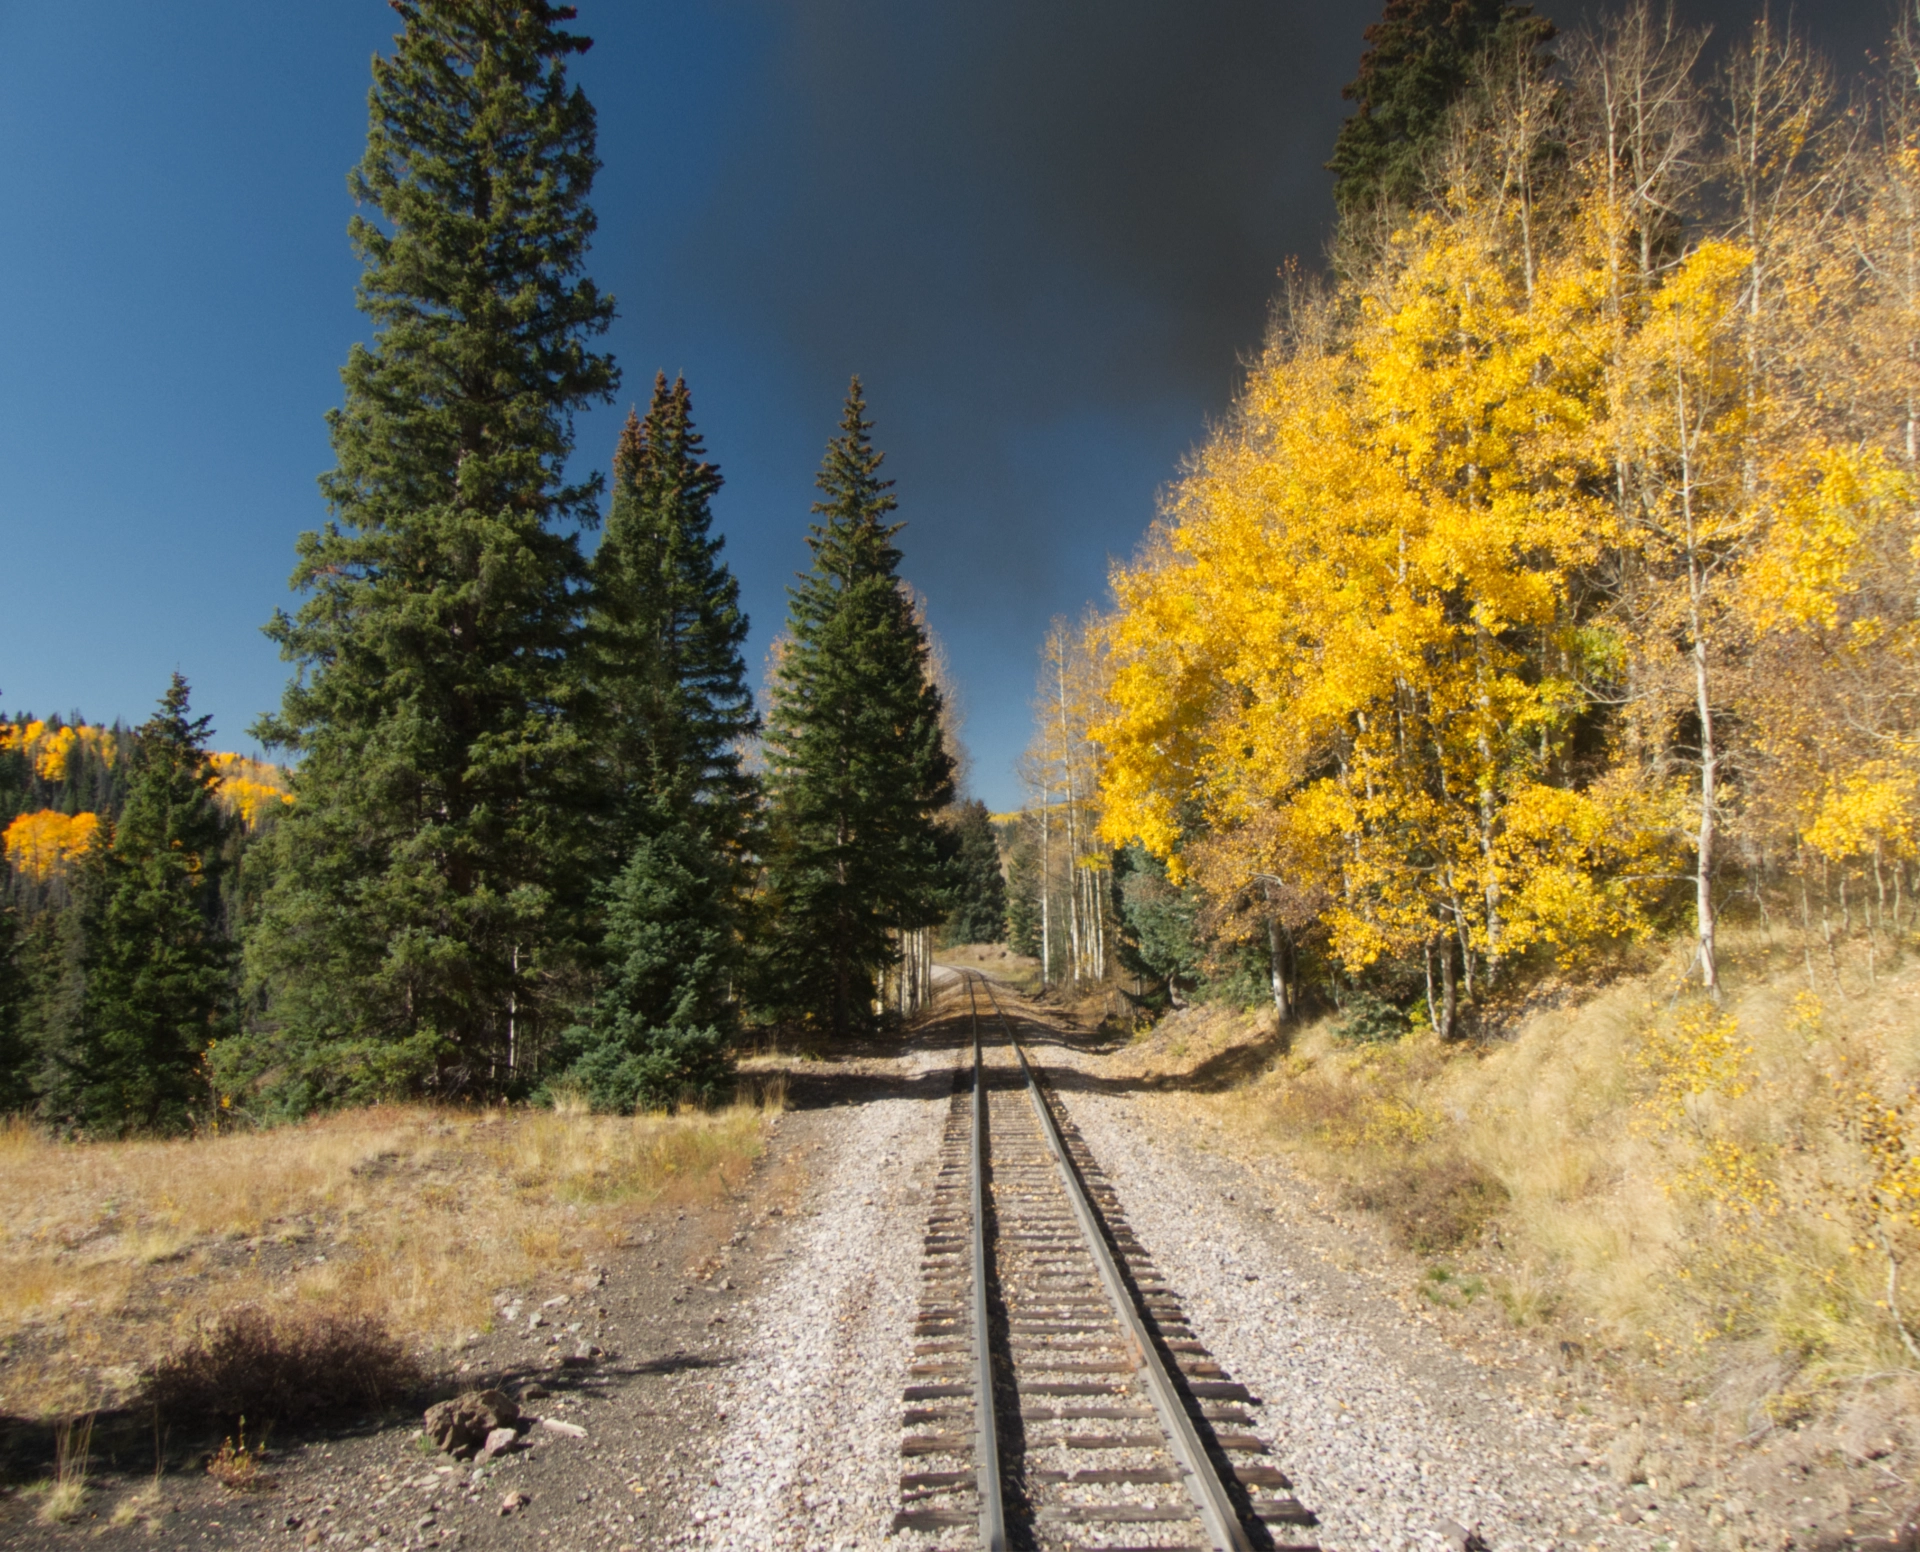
{"x":986,"y":1449}
{"x":1210,"y":1498}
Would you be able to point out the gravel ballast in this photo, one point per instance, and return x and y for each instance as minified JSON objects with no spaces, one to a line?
{"x":1391,"y":1436}
{"x":810,"y":1457}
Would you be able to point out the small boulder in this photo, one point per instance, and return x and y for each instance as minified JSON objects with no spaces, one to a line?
{"x":462,"y":1426}
{"x":513,"y":1503}
{"x":1459,"y":1537}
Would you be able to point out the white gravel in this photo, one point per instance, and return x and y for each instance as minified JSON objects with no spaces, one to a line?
{"x":811,"y":1455}
{"x":1384,"y":1429}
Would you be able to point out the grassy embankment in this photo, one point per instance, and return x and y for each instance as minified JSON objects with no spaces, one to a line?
{"x":405,"y":1217}
{"x":1683,"y":1189}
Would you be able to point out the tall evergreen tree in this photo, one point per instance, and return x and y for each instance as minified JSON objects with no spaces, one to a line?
{"x":668,"y":630}
{"x":431,"y":884}
{"x":979,"y":910}
{"x":157,"y":960}
{"x":667,"y":668}
{"x":857,"y":764}
{"x":1420,"y":57}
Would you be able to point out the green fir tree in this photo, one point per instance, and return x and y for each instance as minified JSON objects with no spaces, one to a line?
{"x":1159,"y":939}
{"x":667,"y":631}
{"x":661,"y":1026}
{"x":16,"y":1054}
{"x":157,"y":962}
{"x":1421,"y":55}
{"x":667,"y":667}
{"x":431,"y":888}
{"x":979,"y":910}
{"x":857,"y":764}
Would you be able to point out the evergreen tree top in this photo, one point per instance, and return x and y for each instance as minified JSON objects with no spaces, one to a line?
{"x":854,"y":542}
{"x":667,"y":622}
{"x":479,"y":161}
{"x":661,"y":459}
{"x":1420,"y":56}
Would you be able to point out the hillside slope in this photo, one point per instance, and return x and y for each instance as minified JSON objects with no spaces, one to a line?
{"x":1711,"y":1204}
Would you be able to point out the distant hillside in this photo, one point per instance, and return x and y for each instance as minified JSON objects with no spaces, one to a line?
{"x":59,"y":780}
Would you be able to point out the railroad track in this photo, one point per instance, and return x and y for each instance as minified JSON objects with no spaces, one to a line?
{"x":1058,"y":1398}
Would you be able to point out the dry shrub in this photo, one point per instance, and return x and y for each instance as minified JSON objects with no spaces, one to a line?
{"x":297,"y":1368}
{"x":237,"y":1468}
{"x":1433,"y":1203}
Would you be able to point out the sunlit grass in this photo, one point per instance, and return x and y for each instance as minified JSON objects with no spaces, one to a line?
{"x":416,"y":1214}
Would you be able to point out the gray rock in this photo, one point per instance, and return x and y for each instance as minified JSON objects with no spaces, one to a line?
{"x":499,"y":1441}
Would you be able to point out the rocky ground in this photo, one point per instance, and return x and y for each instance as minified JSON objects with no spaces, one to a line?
{"x":620,"y":1450}
{"x":753,"y":1354}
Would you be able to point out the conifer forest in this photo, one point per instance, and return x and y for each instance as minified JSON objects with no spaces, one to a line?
{"x":1488,"y":782}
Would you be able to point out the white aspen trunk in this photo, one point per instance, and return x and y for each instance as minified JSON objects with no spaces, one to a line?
{"x":1703,"y":704}
{"x":1492,"y":879}
{"x":1076,"y":958}
{"x":1046,"y":892}
{"x":1276,"y":957}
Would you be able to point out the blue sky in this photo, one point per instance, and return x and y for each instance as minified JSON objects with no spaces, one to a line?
{"x":1045,"y":235}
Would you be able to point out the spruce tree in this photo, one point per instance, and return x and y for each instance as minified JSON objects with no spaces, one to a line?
{"x":431,"y":884}
{"x":857,"y":765}
{"x":979,"y":910}
{"x":156,"y":958}
{"x":667,"y":669}
{"x":667,"y":631}
{"x":1421,"y":55}
{"x":659,"y":1030}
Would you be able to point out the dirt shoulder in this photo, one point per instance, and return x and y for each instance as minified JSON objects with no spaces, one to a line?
{"x":616,"y":1454}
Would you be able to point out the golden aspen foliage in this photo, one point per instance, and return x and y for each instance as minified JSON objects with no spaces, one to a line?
{"x":49,"y":749}
{"x":1348,"y":661}
{"x":43,"y":844}
{"x":248,"y":788}
{"x":1562,"y":548}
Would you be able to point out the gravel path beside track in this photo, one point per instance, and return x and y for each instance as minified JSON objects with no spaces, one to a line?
{"x":810,"y":1457}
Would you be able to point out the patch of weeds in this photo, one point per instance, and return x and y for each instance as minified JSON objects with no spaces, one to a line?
{"x":237,"y":1468}
{"x":1526,"y":1298}
{"x":1433,"y":1204}
{"x":137,"y":1506}
{"x":67,"y":1493}
{"x":289,"y":1370}
{"x":1444,"y":1286}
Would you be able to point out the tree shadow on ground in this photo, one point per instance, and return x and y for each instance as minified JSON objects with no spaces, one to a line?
{"x":1225,"y":1069}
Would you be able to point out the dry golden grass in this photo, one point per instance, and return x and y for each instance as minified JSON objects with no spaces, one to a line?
{"x":111,"y":1253}
{"x":1682,"y":1182}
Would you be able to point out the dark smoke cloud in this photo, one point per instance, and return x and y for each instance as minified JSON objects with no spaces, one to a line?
{"x":1047,"y":234}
